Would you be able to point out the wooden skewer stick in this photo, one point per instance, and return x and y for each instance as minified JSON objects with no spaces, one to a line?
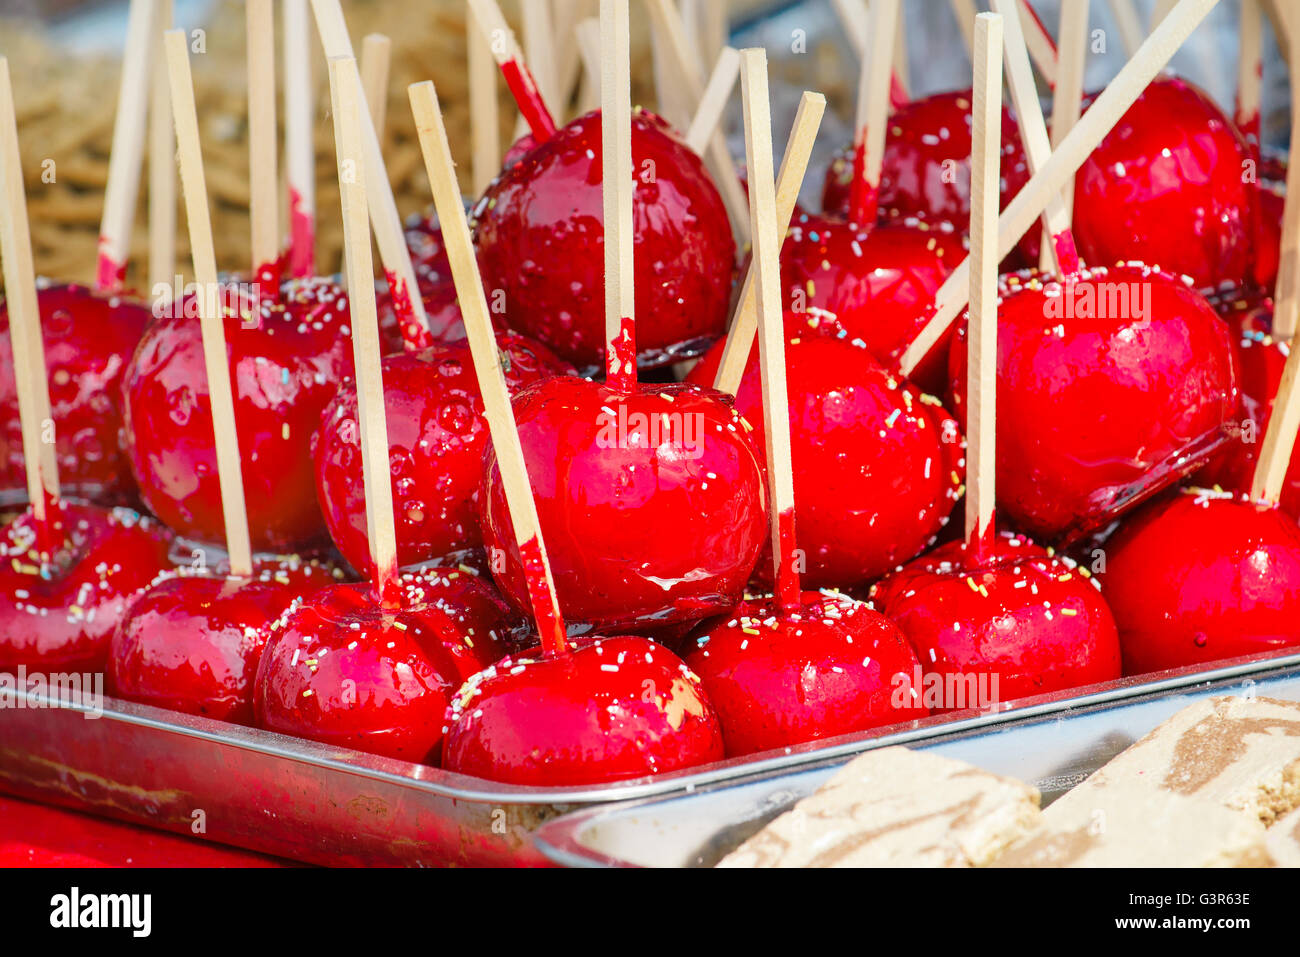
{"x":162,"y":165}
{"x":39,"y":456}
{"x":1250,"y":66}
{"x":539,"y":48}
{"x":982,"y":349}
{"x":1067,"y":100}
{"x":510,"y":59}
{"x":1129,"y":23}
{"x":263,"y":153}
{"x":299,"y":139}
{"x":1286,"y":296}
{"x":484,"y":110}
{"x":902,"y":76}
{"x":195,"y":189}
{"x":1280,"y":437}
{"x":768,"y":236}
{"x":668,"y":21}
{"x":376,"y":59}
{"x":714,"y":103}
{"x":347,"y":103}
{"x":127,"y":156}
{"x":588,"y":34}
{"x":794,"y":166}
{"x":565,"y":15}
{"x":856,"y":20}
{"x":389,"y":232}
{"x":619,"y":190}
{"x":873,"y":112}
{"x":1272,"y":10}
{"x":1038,"y":41}
{"x":715,"y":29}
{"x":965,"y":12}
{"x":487,"y":366}
{"x":1091,"y":129}
{"x":1033,"y":132}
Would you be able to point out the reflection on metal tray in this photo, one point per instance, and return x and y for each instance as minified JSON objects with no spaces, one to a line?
{"x":1053,"y":750}
{"x":309,"y":802}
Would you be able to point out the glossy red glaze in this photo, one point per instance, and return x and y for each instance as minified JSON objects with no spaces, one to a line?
{"x":834,"y":667}
{"x":540,"y":238}
{"x":1018,"y":619}
{"x":652,"y":505}
{"x":89,"y":338}
{"x":1097,"y":413}
{"x":1198,"y":577}
{"x":59,"y":615}
{"x":1166,"y":186}
{"x":436,"y":437}
{"x":342,"y":671}
{"x":926,"y":166}
{"x":878,"y":283}
{"x":287,"y":361}
{"x":877,"y":468}
{"x":610,"y":710}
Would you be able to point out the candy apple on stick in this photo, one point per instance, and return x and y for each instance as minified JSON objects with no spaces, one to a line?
{"x":67,"y":571}
{"x":599,"y":709}
{"x":616,"y":465}
{"x":995,"y":606}
{"x":369,"y":666}
{"x":193,"y":642}
{"x":798,"y":666}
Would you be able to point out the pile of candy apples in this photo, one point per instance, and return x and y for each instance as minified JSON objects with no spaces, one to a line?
{"x":652,"y":500}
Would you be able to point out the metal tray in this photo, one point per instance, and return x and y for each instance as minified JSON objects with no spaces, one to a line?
{"x":1051,"y":748}
{"x":309,"y":802}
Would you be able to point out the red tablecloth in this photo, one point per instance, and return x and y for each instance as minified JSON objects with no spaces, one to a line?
{"x":33,"y":835}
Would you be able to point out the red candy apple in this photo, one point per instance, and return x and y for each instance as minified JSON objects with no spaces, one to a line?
{"x":877,"y":466}
{"x":192,"y":643}
{"x":287,"y":358}
{"x":1011,"y":623}
{"x":89,"y":338}
{"x":1168,"y":186}
{"x":341,"y":670}
{"x":58,"y":611}
{"x":1109,"y":390}
{"x":609,"y":709}
{"x":833,"y":667}
{"x":436,"y":437}
{"x":540,"y":239}
{"x":652,"y":505}
{"x":1203,"y":576}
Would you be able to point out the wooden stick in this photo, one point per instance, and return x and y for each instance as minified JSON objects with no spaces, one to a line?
{"x":523,"y":87}
{"x":873,"y":111}
{"x":389,"y":232}
{"x":487,"y":366}
{"x":982,"y":350}
{"x":768,"y":237}
{"x":262,"y":147}
{"x":539,"y":48}
{"x":162,"y":162}
{"x":195,"y":189}
{"x":789,"y":182}
{"x":1067,"y":99}
{"x":588,"y":33}
{"x":854,"y":16}
{"x":1272,"y":10}
{"x":668,"y":21}
{"x":965,"y":11}
{"x":347,"y":104}
{"x":1250,"y":71}
{"x":565,"y":15}
{"x":706,"y":21}
{"x":1280,"y":437}
{"x":484,"y":111}
{"x":127,"y":157}
{"x":299,"y":139}
{"x":376,"y":57}
{"x":618,"y":190}
{"x":1091,"y":129}
{"x":714,"y":103}
{"x":1286,"y":296}
{"x":902,"y":75}
{"x":1033,"y":133}
{"x":40,"y":459}
{"x":1039,"y":42}
{"x":1129,"y":23}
